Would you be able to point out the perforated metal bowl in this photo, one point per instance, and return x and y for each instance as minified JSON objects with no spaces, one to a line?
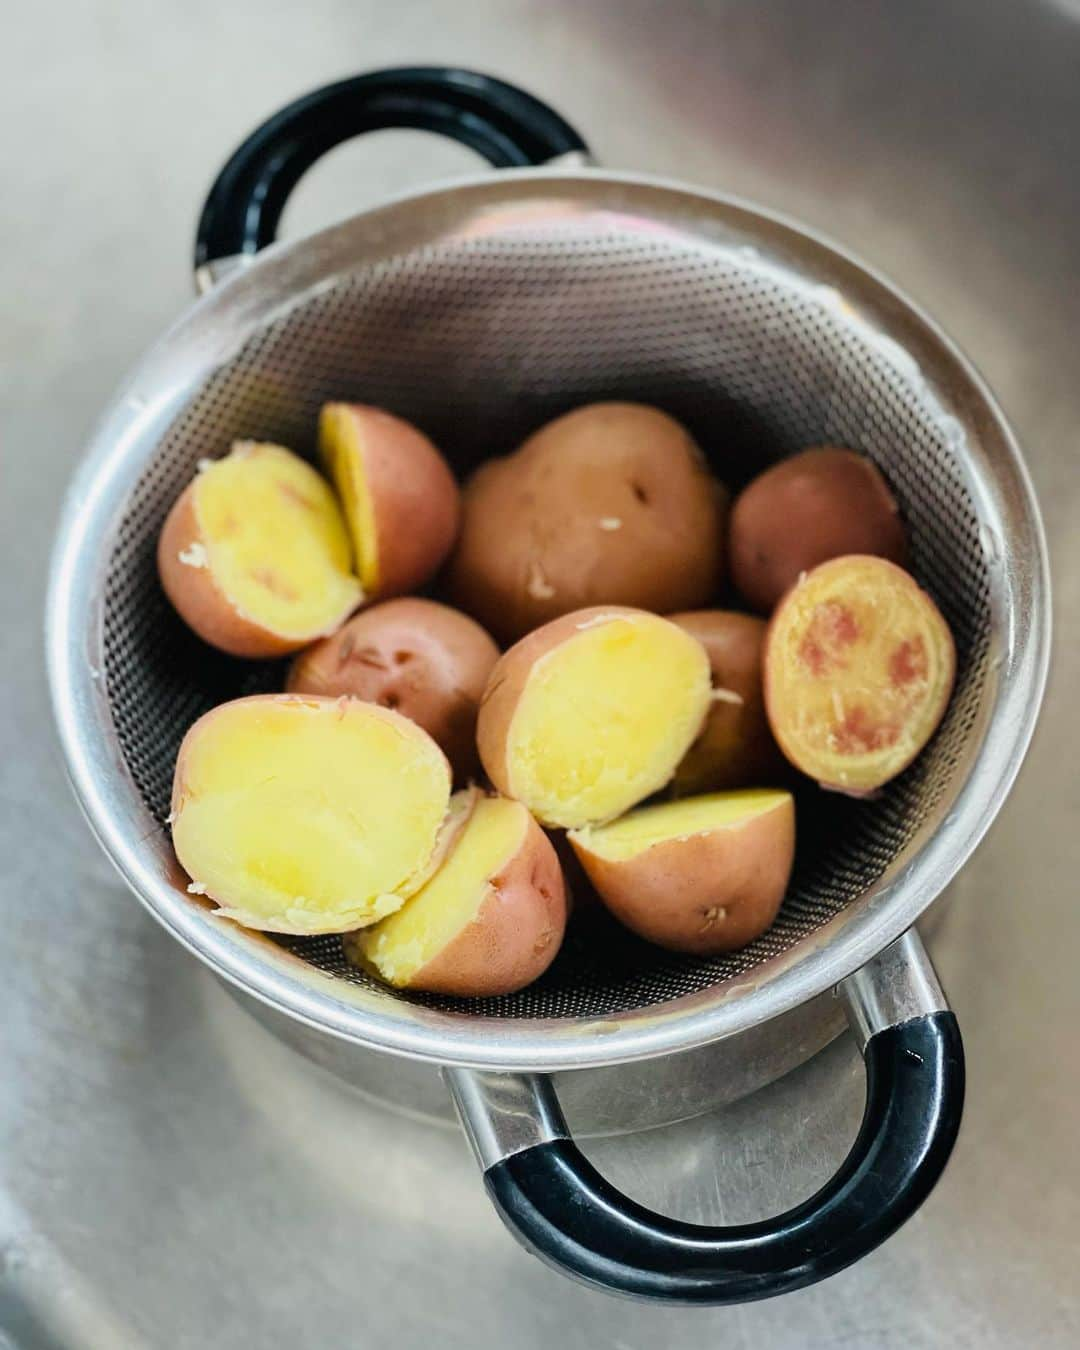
{"x":478,"y":311}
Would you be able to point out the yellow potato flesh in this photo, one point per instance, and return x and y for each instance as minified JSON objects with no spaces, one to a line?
{"x":860,"y":665}
{"x":307,"y":816}
{"x":276,"y":541}
{"x":605,"y":718}
{"x":406,"y":941}
{"x":640,"y":830}
{"x":342,"y":454}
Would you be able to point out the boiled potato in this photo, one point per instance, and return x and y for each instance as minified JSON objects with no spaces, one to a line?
{"x":427,"y":661}
{"x":610,"y":504}
{"x":735,"y":748}
{"x":254,"y":555}
{"x":591,"y":713}
{"x":400,"y":499}
{"x":859,"y":666}
{"x":307,"y":815}
{"x":703,"y":875}
{"x":817,"y":505}
{"x":489,"y":921}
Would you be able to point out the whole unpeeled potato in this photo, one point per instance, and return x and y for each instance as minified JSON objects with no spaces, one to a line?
{"x":422,"y":659}
{"x":819,"y":504}
{"x":610,"y":504}
{"x":735,"y":748}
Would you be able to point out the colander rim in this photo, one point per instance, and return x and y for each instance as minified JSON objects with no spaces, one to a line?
{"x":116,"y":814}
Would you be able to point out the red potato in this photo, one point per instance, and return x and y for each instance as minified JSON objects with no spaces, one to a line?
{"x":489,"y":921}
{"x":254,"y":554}
{"x":592,"y":713}
{"x":400,"y":499}
{"x":425,"y":660}
{"x":309,"y":815}
{"x":703,"y":875}
{"x":820,"y":504}
{"x":859,"y":666}
{"x":735,"y":747}
{"x":610,"y":504}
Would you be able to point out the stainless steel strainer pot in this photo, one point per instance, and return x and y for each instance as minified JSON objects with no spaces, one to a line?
{"x":479,"y":310}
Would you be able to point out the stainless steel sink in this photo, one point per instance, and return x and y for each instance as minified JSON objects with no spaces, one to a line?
{"x":170,"y":1176}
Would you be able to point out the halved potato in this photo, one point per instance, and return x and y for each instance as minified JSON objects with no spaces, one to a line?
{"x":705,"y":874}
{"x":859,"y":666}
{"x":400,"y":499}
{"x":307,"y":815}
{"x":254,"y":554}
{"x":490,"y":919}
{"x":426,"y":660}
{"x":590,"y":714}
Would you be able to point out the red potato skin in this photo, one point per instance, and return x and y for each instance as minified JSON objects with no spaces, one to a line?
{"x":511,"y":674}
{"x":426,"y":660}
{"x":775,"y":710}
{"x":415,"y":499}
{"x":736,"y":747}
{"x":196,"y":597}
{"x":532,"y":545}
{"x":668,"y":893}
{"x":817,"y":505}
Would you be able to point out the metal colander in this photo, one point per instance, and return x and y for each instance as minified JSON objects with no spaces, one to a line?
{"x":478,"y":312}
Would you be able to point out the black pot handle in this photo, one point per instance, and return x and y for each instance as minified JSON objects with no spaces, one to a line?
{"x":562,"y":1209}
{"x":507,"y":126}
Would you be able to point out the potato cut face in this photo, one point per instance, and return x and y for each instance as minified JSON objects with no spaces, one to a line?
{"x":640,"y":830}
{"x":307,"y":815}
{"x":341,"y":451}
{"x":276,"y":542}
{"x":859,"y":667}
{"x":405,"y":942}
{"x":604,"y":719}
